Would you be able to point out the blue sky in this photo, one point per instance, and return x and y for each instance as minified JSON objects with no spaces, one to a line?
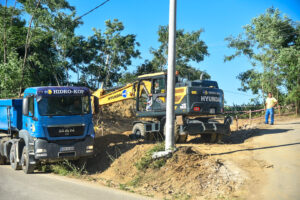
{"x":219,"y":19}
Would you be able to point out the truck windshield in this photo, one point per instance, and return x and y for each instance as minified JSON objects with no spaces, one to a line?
{"x":64,"y":105}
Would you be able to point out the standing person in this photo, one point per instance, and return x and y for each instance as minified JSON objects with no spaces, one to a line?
{"x":270,"y":104}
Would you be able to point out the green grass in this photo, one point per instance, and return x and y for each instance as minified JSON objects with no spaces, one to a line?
{"x":135,"y":182}
{"x":123,"y":187}
{"x":179,"y":196}
{"x":148,"y":162}
{"x":221,"y":197}
{"x":64,"y":168}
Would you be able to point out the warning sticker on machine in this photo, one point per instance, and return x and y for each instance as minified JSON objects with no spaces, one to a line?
{"x":210,"y":99}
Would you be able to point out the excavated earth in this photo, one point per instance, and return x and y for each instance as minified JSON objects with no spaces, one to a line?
{"x":197,"y":170}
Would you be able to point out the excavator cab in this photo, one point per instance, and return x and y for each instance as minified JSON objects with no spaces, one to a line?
{"x":151,"y":98}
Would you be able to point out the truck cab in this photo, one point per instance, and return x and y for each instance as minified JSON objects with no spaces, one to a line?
{"x":50,"y":124}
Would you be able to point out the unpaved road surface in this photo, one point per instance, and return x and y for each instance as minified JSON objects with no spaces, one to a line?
{"x":15,"y":185}
{"x":280,"y":148}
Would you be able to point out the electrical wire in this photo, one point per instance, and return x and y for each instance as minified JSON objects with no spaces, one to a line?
{"x":92,"y":10}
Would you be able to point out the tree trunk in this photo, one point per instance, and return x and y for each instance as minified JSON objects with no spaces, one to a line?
{"x":107,"y":69}
{"x":12,"y":16}
{"x":4,"y":34}
{"x":27,"y":44}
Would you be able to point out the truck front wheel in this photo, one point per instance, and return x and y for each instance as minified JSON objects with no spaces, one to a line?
{"x":139,"y":131}
{"x":25,"y":162}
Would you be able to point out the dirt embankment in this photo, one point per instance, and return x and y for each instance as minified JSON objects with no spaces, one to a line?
{"x":188,"y":174}
{"x":197,"y":170}
{"x":116,"y":118}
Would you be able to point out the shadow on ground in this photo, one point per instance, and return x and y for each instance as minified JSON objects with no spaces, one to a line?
{"x":107,"y":149}
{"x":239,"y":137}
{"x":255,"y":149}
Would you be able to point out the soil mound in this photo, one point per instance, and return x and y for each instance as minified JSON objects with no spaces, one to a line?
{"x":115,"y":118}
{"x":187,"y":174}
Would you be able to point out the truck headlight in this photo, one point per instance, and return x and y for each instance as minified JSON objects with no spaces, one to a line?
{"x":41,"y":151}
{"x":89,"y":149}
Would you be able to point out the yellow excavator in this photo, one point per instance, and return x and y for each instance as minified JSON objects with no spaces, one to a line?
{"x":196,"y":105}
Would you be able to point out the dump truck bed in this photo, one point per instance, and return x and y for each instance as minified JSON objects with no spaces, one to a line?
{"x":11,"y":114}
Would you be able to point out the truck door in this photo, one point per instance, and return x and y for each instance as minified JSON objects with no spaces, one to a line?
{"x":28,"y":120}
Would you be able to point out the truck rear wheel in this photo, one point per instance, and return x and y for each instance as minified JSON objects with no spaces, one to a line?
{"x":13,"y":157}
{"x":209,"y":137}
{"x":182,"y":138}
{"x":25,"y":162}
{"x":178,"y":138}
{"x":139,"y":131}
{"x":2,"y":160}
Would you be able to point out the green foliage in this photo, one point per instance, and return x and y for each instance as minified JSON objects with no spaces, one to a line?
{"x":38,"y":50}
{"x":189,"y":48}
{"x":128,"y":78}
{"x":271,"y":42}
{"x":67,"y":168}
{"x":135,"y":182}
{"x":10,"y":73}
{"x":123,"y":187}
{"x":180,"y":196}
{"x":148,"y":162}
{"x":146,"y":68}
{"x":110,"y":52}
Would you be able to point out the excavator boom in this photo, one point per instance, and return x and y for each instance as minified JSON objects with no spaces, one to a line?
{"x":124,"y":93}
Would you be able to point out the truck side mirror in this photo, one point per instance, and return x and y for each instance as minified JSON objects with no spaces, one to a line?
{"x":25,"y":106}
{"x":96,"y":105}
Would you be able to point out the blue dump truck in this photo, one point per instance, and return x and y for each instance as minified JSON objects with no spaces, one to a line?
{"x":49,"y":124}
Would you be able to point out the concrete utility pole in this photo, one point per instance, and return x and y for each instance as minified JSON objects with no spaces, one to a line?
{"x":170,"y":115}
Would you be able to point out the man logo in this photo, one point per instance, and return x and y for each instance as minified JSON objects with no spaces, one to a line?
{"x":205,"y":92}
{"x":49,"y":91}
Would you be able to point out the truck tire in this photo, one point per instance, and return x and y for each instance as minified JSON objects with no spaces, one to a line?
{"x":2,"y":160}
{"x":182,"y":139}
{"x":25,"y":162}
{"x":178,"y":138}
{"x":209,"y":137}
{"x":13,"y":158}
{"x":139,"y":131}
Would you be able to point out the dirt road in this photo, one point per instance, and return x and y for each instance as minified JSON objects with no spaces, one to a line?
{"x":16,"y":185}
{"x":279,"y":146}
{"x":271,"y":159}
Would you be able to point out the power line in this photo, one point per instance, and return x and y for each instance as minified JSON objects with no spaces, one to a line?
{"x":92,"y":10}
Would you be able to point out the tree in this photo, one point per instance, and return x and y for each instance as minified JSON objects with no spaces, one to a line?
{"x":37,"y":44}
{"x":189,"y":47}
{"x":112,"y":52}
{"x":271,"y":42}
{"x":9,"y":73}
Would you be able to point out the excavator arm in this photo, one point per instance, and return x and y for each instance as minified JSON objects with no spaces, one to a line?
{"x":127,"y":92}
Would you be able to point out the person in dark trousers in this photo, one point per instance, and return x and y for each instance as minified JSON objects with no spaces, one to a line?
{"x":270,"y":104}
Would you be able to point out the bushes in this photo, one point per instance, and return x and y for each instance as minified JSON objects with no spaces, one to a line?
{"x":148,"y":162}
